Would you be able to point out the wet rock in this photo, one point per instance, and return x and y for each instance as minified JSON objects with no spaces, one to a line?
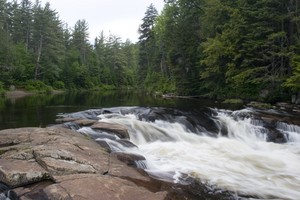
{"x":85,"y":122}
{"x":129,"y":159}
{"x":98,"y":134}
{"x":66,"y":119}
{"x":9,"y":195}
{"x":88,"y":114}
{"x":127,"y":170}
{"x":115,"y":145}
{"x":296,"y":98}
{"x":284,"y":106}
{"x":103,"y":144}
{"x":276,"y":136}
{"x":197,"y":190}
{"x":126,"y":143}
{"x":72,"y":126}
{"x":120,"y":130}
{"x":3,"y":187}
{"x":273,"y":135}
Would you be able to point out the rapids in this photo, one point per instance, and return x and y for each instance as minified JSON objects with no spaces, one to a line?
{"x":232,"y":150}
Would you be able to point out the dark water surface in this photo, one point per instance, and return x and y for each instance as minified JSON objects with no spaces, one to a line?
{"x":41,"y":110}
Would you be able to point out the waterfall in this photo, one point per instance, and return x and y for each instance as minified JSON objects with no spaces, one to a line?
{"x":292,"y":132}
{"x":237,"y":157}
{"x":242,"y":128}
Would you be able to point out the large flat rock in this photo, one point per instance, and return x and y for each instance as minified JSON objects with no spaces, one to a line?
{"x":58,"y":163}
{"x":21,"y":172}
{"x":84,"y":187}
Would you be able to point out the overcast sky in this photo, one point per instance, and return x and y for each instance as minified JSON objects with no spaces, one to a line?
{"x":120,"y":17}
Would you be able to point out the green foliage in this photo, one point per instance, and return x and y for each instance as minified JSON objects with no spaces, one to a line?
{"x":59,"y":85}
{"x":38,"y":86}
{"x":223,"y":48}
{"x":249,"y":48}
{"x":293,"y":82}
{"x":155,"y":82}
{"x":233,"y":101}
{"x":107,"y":87}
{"x":2,"y":90}
{"x":216,"y":48}
{"x":260,"y":105}
{"x":147,"y":46}
{"x":35,"y":44}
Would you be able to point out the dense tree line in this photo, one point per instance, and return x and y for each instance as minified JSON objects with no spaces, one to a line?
{"x":37,"y":48}
{"x":215,"y":48}
{"x":223,"y":48}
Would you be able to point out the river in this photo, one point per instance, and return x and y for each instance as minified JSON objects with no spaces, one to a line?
{"x":41,"y":110}
{"x":252,"y":153}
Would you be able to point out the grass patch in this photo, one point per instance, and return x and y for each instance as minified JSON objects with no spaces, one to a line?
{"x":260,"y":105}
{"x":233,"y":101}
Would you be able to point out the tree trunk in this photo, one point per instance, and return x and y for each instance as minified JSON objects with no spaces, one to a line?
{"x":37,"y":64}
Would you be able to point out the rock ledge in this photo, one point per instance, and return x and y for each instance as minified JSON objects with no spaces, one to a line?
{"x":57,"y":163}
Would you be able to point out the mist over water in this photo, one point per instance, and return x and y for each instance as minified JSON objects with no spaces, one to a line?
{"x":237,"y":157}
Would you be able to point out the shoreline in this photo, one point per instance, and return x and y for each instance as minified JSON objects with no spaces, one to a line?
{"x":15,"y":94}
{"x":19,"y":93}
{"x":284,"y":106}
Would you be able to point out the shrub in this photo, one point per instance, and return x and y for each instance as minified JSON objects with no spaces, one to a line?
{"x":233,"y":101}
{"x":2,"y":91}
{"x":106,"y":87}
{"x":59,"y":85}
{"x":37,"y":85}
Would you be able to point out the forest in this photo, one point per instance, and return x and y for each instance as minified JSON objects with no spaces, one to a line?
{"x":246,"y":49}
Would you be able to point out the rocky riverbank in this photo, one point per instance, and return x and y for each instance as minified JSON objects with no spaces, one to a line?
{"x":58,"y":163}
{"x":15,"y":94}
{"x":18,"y":93}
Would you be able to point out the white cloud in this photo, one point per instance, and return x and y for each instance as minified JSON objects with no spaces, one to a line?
{"x":121,"y":18}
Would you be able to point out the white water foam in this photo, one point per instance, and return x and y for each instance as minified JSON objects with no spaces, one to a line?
{"x":243,"y":162}
{"x":292,"y":132}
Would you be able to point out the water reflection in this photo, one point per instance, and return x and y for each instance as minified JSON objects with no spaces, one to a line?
{"x":41,"y":110}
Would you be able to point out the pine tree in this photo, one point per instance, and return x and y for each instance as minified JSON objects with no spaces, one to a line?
{"x":6,"y":43}
{"x":47,"y":43}
{"x":147,"y":42}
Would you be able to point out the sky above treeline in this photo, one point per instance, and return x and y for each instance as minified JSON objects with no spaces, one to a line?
{"x":119,"y":17}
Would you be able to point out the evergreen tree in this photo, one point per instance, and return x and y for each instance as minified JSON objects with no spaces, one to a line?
{"x":6,"y":44}
{"x":47,"y":43}
{"x":130,"y":51}
{"x":250,"y":52}
{"x":220,"y":48}
{"x":147,"y":42}
{"x":178,"y":38}
{"x":80,"y":38}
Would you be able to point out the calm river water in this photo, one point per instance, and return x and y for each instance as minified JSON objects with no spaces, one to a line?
{"x":41,"y":110}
